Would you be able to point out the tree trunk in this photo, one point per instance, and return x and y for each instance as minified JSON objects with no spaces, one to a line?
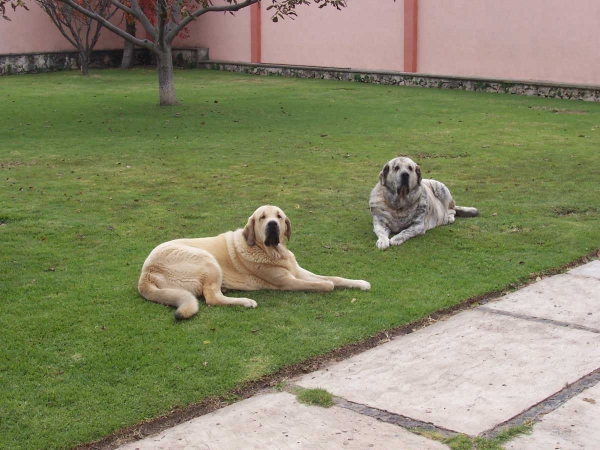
{"x":166,"y":86}
{"x":84,"y":63}
{"x":127,"y":62}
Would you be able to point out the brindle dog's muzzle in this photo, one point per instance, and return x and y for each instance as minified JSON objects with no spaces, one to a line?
{"x":404,"y":184}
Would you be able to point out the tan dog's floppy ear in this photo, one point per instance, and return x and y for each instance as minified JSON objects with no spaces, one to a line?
{"x":418,"y":170}
{"x":248,"y":232}
{"x":288,"y":229}
{"x":383,"y":174}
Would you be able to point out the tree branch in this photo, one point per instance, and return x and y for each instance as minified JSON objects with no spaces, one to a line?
{"x":145,"y":43}
{"x":143,"y":19}
{"x":161,"y":14}
{"x":225,"y":8}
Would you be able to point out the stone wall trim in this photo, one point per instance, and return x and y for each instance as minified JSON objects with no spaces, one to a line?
{"x":531,"y":88}
{"x":100,"y":59}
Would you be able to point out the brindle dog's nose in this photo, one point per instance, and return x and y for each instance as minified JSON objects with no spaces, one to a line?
{"x":404,"y":177}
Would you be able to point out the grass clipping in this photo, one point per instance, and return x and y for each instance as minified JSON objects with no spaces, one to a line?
{"x":314,"y":397}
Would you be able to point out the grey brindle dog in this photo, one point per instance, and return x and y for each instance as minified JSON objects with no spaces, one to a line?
{"x":405,"y":205}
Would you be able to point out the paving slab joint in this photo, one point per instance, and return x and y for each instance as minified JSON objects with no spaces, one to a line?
{"x":537,"y":411}
{"x":395,"y":419}
{"x":558,"y":323}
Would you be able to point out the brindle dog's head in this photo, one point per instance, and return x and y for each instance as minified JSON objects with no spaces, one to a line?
{"x":267,"y":226}
{"x":400,"y":176}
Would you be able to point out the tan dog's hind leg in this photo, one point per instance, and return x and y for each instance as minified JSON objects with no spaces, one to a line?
{"x":185,"y":302}
{"x":212,"y":280}
{"x":190,"y":274}
{"x":214,"y":297}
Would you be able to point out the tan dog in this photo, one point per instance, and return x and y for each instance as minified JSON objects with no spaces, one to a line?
{"x":177,"y":272}
{"x":404,"y":204}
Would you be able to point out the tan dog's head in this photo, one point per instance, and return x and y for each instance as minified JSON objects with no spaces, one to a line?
{"x":267,"y":226}
{"x":400,"y":176}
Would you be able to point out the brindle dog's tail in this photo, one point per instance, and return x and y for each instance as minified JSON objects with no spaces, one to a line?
{"x":466,"y":211}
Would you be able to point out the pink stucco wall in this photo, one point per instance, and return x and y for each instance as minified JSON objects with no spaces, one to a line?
{"x":543,"y":40}
{"x":358,"y":36}
{"x":226,"y":36}
{"x":33,"y":32}
{"x":552,"y":40}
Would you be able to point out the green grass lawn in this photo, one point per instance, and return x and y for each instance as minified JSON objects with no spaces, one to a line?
{"x":94,"y":175}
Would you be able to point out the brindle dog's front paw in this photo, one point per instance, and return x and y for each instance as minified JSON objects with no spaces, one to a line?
{"x":397,"y":240}
{"x":383,"y":243}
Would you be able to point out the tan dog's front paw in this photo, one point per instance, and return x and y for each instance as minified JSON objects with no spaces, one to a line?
{"x":248,"y":303}
{"x":363,"y":285}
{"x":383,"y":243}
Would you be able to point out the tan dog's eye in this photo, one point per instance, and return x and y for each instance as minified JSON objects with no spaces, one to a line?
{"x":262,"y":217}
{"x":279,"y":216}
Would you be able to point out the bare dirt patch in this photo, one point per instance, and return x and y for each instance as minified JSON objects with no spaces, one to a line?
{"x":558,"y":110}
{"x":7,"y":165}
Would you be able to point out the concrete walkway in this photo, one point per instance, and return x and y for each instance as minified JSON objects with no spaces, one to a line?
{"x":533,"y":355}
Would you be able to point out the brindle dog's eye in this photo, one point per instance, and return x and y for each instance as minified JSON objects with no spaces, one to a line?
{"x":396,"y":168}
{"x":410,"y":168}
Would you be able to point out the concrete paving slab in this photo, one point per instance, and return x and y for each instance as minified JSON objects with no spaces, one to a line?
{"x":573,"y":426}
{"x":468,"y":373}
{"x":564,"y":298}
{"x":591,"y":269}
{"x":278,"y":421}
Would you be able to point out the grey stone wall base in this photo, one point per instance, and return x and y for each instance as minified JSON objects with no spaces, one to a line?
{"x":100,"y":59}
{"x":529,"y":88}
{"x":192,"y":58}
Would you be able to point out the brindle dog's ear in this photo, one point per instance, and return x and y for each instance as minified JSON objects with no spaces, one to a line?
{"x":383,"y":174}
{"x":248,"y":232}
{"x":419,"y":178}
{"x":288,"y":229}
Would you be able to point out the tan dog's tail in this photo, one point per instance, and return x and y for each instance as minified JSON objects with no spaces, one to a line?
{"x":185,"y":302}
{"x":466,"y":211}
